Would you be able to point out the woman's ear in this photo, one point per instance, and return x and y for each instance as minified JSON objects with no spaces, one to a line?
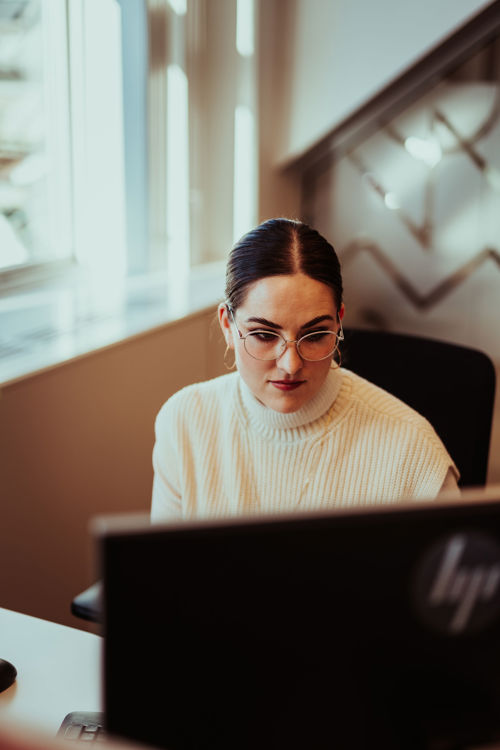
{"x":225,"y":324}
{"x":341,"y":311}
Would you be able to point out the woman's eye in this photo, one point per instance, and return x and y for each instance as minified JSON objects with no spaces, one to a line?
{"x":317,"y":336}
{"x":263,"y":336}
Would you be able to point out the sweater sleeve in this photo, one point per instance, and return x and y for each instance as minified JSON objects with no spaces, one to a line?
{"x":166,"y":500}
{"x":450,"y":485}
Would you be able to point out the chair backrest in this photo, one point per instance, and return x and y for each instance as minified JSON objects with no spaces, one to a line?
{"x":452,"y":386}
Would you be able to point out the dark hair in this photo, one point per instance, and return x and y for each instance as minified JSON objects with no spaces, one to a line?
{"x":281,"y":247}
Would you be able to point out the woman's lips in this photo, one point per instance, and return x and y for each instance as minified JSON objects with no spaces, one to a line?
{"x":287,"y":385}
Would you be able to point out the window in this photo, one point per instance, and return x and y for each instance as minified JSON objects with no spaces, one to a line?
{"x":35,"y":200}
{"x":127,"y":132}
{"x":136,"y":150}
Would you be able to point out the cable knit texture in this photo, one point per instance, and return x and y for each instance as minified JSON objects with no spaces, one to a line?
{"x":220,"y":452}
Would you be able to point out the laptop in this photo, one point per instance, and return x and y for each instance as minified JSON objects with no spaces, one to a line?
{"x":373,"y":628}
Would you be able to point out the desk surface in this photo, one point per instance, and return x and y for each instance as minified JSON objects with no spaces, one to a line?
{"x":58,"y":671}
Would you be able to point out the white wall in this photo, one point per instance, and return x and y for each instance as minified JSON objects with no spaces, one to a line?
{"x":339,"y":53}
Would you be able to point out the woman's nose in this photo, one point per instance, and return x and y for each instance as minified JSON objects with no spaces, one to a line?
{"x":290,"y":361}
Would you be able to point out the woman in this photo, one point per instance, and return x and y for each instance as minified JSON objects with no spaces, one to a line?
{"x":290,"y":429}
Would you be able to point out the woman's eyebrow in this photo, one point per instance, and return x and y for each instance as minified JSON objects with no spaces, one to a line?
{"x":309,"y":324}
{"x":319,"y":319}
{"x":263,"y":322}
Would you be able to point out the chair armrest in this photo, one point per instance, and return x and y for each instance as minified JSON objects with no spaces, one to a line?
{"x":88,"y":604}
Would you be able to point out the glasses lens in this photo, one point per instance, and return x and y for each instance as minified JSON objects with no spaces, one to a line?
{"x":317,"y":345}
{"x":264,"y":344}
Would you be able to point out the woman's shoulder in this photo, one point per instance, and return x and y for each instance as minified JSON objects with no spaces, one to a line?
{"x":373,"y":398}
{"x":207,"y":394}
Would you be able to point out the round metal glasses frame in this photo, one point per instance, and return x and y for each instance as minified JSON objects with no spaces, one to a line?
{"x":338,"y":336}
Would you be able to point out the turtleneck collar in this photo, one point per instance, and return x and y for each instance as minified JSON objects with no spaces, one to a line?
{"x":312,"y":410}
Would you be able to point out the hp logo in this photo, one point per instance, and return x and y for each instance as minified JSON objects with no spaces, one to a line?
{"x":458,"y":583}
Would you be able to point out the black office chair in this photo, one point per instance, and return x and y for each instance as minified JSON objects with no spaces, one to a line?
{"x":452,"y":386}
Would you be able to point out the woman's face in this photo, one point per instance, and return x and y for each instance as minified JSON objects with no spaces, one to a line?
{"x":291,"y":305}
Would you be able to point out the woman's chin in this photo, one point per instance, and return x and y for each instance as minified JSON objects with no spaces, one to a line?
{"x":287,"y":402}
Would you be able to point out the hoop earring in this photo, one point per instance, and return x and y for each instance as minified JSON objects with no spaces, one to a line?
{"x":229,"y":367}
{"x":336,"y":365}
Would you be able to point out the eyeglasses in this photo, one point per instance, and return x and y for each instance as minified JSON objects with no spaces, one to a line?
{"x":269,"y":345}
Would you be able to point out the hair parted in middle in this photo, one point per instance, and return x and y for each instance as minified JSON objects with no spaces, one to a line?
{"x":281,"y":247}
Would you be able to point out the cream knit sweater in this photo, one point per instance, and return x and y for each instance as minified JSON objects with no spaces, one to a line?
{"x":220,"y":452}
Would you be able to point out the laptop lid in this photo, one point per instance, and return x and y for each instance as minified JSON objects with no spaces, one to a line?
{"x":362,"y":629}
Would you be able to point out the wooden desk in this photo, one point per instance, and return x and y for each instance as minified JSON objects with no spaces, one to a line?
{"x":58,"y":671}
